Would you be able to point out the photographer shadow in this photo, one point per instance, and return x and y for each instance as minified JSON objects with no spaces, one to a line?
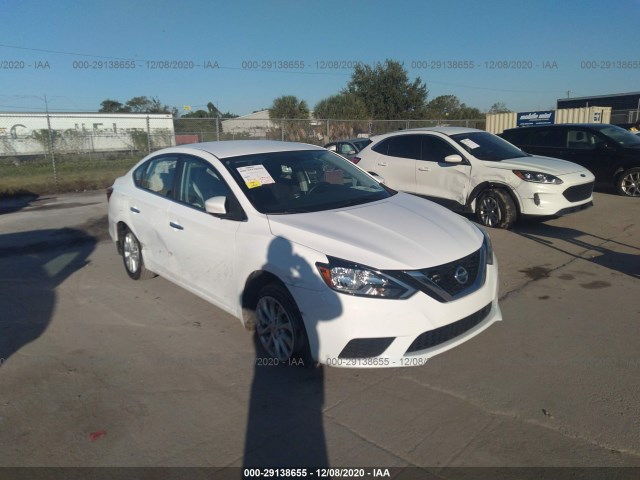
{"x":32,"y":265}
{"x":285,"y":422}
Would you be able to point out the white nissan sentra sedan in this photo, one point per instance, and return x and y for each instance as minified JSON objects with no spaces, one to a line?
{"x":321,"y":260}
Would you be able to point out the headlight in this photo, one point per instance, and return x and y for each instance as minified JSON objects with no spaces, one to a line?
{"x":537,"y":177}
{"x":488,"y":246}
{"x":357,"y":280}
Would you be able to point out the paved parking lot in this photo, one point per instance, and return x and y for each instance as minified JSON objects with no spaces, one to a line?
{"x":98,"y":370}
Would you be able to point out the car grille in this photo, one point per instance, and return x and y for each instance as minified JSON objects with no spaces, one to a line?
{"x":454,"y":279}
{"x":578,"y":192}
{"x":443,"y":334}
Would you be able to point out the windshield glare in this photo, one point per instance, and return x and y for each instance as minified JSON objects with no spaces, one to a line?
{"x":302,"y":181}
{"x":486,"y":146}
{"x":621,"y":136}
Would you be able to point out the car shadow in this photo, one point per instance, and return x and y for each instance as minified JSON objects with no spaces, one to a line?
{"x":16,"y":201}
{"x":547,"y":235}
{"x":285,"y":421}
{"x":32,"y":265}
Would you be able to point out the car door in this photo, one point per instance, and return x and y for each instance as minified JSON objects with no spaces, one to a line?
{"x":148,"y":206}
{"x":395,"y":161}
{"x":592,"y":151}
{"x":546,"y":141}
{"x":440,"y":180}
{"x":202,"y":246}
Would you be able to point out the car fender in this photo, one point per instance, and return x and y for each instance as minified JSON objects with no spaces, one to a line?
{"x":487,"y":185}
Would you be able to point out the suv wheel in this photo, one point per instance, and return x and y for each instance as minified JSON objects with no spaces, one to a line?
{"x":628,"y":183}
{"x":495,"y":208}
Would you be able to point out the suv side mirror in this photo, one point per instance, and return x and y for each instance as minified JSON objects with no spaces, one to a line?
{"x":455,"y":158}
{"x":216,"y":206}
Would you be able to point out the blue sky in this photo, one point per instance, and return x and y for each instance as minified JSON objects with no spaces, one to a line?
{"x":428,"y":36}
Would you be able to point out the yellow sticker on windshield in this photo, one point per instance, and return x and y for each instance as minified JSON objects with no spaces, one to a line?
{"x":255,"y":176}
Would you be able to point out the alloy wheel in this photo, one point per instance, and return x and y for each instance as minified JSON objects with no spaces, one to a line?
{"x":490,"y":212}
{"x":630,"y":184}
{"x":274,"y":328}
{"x":131,"y":250}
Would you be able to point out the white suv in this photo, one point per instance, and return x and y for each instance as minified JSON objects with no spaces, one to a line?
{"x":474,"y":171}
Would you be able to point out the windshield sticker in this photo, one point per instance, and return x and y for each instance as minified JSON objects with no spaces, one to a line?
{"x":469,"y":143}
{"x":255,"y":176}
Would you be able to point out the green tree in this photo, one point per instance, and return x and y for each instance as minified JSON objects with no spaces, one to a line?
{"x":450,"y":107}
{"x":499,"y":107}
{"x":344,"y":106}
{"x":288,"y":106}
{"x":148,"y":105}
{"x":387,"y":92}
{"x":296,"y":125}
{"x":111,"y":106}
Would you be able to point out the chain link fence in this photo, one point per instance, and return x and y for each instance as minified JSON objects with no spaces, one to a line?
{"x":49,"y":152}
{"x":40,"y":152}
{"x":314,"y":131}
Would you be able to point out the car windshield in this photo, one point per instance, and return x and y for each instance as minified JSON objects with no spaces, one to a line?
{"x":486,"y":146}
{"x":303,"y":181}
{"x":621,"y":136}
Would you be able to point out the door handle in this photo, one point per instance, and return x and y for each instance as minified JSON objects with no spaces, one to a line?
{"x":382,"y":164}
{"x":175,"y":225}
{"x":424,"y":169}
{"x":134,"y":209}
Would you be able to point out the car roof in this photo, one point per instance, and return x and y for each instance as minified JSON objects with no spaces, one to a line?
{"x":443,"y":130}
{"x":234,"y":148}
{"x":558,"y":125}
{"x":359,"y":139}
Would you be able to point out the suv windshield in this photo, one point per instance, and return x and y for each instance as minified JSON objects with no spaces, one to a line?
{"x":486,"y":146}
{"x":302,"y":181}
{"x":619,"y":135}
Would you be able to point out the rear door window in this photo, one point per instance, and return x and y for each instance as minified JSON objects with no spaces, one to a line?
{"x":548,"y":137}
{"x":157,"y":175}
{"x":405,"y":146}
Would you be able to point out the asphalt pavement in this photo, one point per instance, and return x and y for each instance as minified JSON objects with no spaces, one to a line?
{"x":99,"y":370}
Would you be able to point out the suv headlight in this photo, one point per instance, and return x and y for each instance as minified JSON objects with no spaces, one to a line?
{"x":536,"y":177}
{"x":352,"y":279}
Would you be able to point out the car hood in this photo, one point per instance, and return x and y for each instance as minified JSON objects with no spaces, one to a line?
{"x":399,"y":233}
{"x":537,"y":163}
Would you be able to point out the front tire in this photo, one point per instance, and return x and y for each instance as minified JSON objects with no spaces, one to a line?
{"x":628,"y":183}
{"x":495,"y":209}
{"x":280,"y":330}
{"x":132,"y":257}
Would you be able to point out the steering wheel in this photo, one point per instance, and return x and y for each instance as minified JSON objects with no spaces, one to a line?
{"x":318,"y":186}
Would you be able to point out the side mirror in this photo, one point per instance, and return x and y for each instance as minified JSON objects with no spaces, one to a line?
{"x":216,"y":206}
{"x":455,"y":158}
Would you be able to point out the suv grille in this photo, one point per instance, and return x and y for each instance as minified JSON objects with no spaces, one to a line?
{"x":578,"y":192}
{"x":454,"y":279}
{"x":440,"y":335}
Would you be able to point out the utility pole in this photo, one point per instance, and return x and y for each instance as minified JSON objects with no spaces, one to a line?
{"x":53,"y":158}
{"x":568,"y":93}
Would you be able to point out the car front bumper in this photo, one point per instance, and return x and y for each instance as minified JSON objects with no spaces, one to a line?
{"x":554,"y":200}
{"x":366,"y":332}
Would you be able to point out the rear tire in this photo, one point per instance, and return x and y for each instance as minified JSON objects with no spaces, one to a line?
{"x":628,"y":183}
{"x":280,"y":331}
{"x":495,"y":209}
{"x":132,"y":257}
